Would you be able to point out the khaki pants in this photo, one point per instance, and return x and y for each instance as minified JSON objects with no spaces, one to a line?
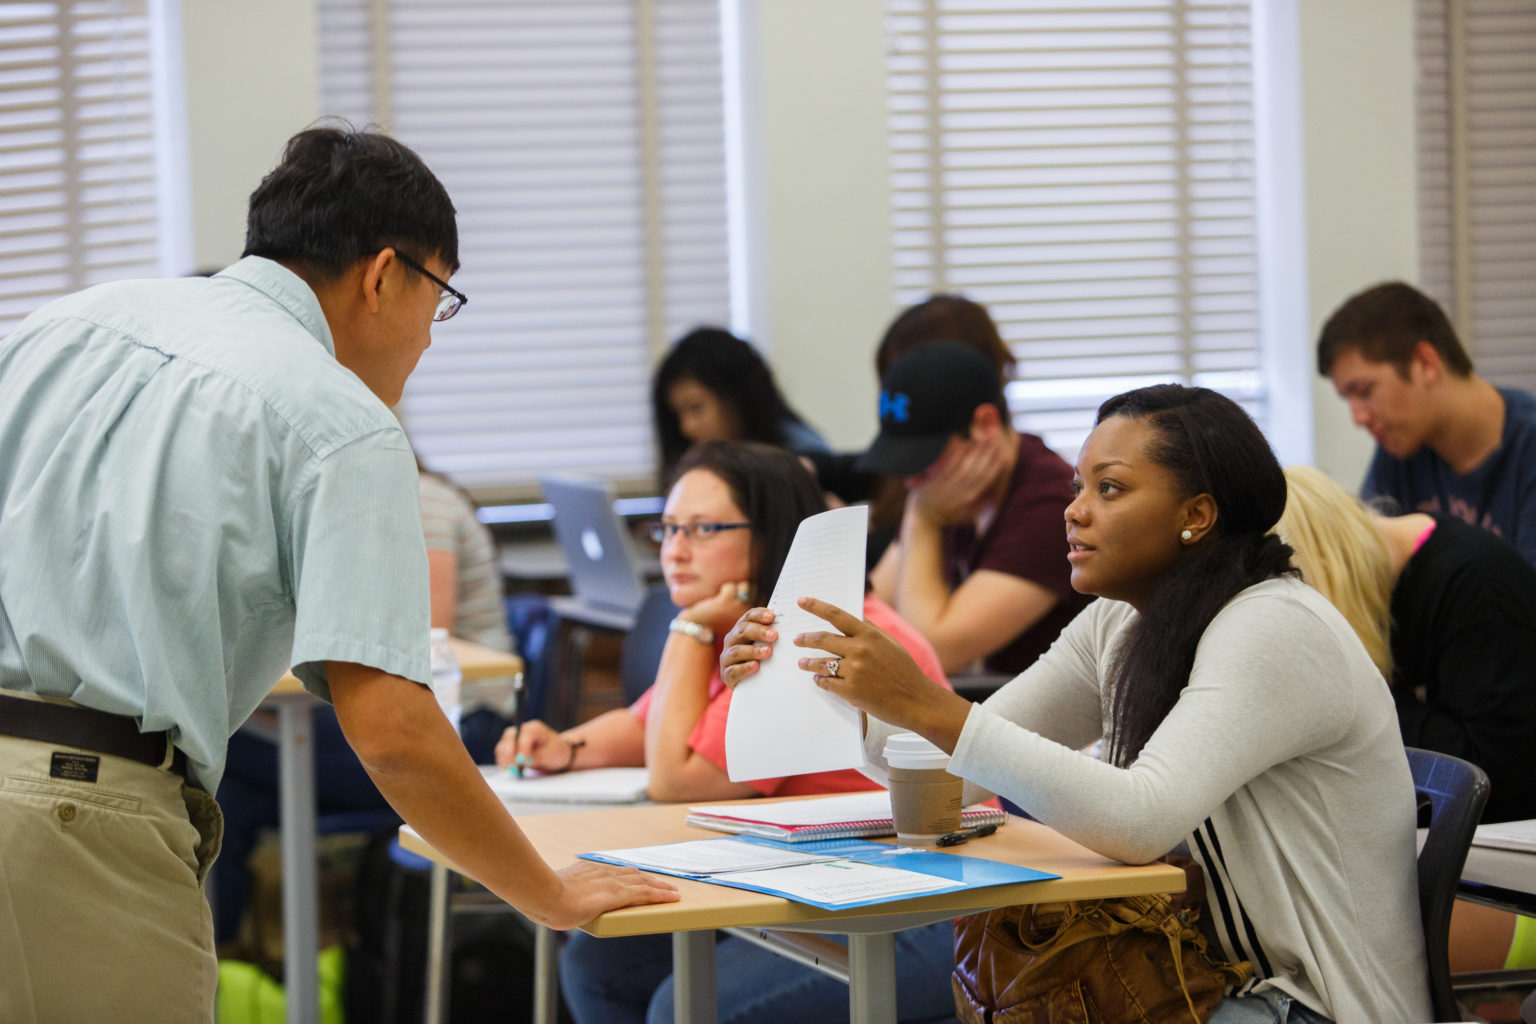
{"x":102,"y":911}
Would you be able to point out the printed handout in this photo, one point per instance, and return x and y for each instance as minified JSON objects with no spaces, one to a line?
{"x":781,"y":722}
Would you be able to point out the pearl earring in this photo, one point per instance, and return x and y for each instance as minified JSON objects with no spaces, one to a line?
{"x":1187,"y":536}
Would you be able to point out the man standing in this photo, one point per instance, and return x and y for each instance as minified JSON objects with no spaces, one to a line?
{"x":1446,"y":439}
{"x":201,"y":485}
{"x":980,"y":564}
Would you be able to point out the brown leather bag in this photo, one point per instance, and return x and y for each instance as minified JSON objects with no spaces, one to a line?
{"x":1137,"y":959}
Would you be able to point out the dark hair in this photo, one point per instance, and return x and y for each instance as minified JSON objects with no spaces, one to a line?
{"x":772,"y":489}
{"x":341,"y":194}
{"x":1385,"y":324}
{"x":945,"y":317}
{"x":1211,"y":447}
{"x":730,"y":369}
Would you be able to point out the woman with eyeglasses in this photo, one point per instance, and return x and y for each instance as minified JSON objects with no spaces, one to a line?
{"x":726,"y":529}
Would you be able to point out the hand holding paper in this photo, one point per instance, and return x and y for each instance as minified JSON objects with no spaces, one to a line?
{"x":780,"y":722}
{"x":877,"y":675}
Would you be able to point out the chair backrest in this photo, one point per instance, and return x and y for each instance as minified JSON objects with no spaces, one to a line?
{"x":643,"y":643}
{"x":1455,"y":791}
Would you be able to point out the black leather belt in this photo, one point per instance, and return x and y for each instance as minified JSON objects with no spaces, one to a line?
{"x":86,"y":728}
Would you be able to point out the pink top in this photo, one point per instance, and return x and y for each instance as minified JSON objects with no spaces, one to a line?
{"x":1424,"y":537}
{"x":708,"y":737}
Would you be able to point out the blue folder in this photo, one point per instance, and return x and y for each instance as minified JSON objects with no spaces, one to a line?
{"x":970,"y":872}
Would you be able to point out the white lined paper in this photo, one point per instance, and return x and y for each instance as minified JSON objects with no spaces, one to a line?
{"x":781,"y":722}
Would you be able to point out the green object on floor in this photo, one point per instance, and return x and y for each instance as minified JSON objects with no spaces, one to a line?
{"x":1522,"y":948}
{"x":248,"y":995}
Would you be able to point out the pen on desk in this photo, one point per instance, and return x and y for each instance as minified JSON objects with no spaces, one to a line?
{"x":956,"y":838}
{"x":519,"y":760}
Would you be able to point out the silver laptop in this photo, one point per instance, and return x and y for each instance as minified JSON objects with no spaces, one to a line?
{"x":602,"y":572}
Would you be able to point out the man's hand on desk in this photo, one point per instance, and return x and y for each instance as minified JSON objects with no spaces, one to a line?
{"x":592,"y":889}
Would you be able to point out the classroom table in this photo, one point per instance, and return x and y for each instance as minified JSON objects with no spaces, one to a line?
{"x":871,"y":956}
{"x":296,"y":813}
{"x":1505,"y":880}
{"x":1500,"y":878}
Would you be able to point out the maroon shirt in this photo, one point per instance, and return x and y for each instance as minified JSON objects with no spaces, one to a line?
{"x":1028,"y":539}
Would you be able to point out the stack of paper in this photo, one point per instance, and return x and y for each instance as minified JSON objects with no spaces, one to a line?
{"x":834,"y":875}
{"x":847,"y":815}
{"x":1507,"y":835}
{"x":701,"y":857}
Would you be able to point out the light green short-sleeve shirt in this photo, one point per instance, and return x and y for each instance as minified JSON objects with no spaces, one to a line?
{"x":194,"y":496}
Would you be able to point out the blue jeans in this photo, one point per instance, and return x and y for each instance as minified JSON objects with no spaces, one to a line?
{"x":1268,"y":1007}
{"x":630,"y":980}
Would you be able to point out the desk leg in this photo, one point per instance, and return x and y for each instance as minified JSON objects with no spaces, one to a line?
{"x":872,"y":978}
{"x":436,"y":1009}
{"x":301,"y":910}
{"x":546,"y":976}
{"x":693,"y":978}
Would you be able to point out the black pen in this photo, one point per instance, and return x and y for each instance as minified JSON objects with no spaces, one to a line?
{"x":956,"y":838}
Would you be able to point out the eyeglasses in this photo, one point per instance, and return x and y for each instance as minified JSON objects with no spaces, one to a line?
{"x":662,"y":532}
{"x":452,"y":298}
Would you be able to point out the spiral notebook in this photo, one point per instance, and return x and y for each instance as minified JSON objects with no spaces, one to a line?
{"x":845,"y":816}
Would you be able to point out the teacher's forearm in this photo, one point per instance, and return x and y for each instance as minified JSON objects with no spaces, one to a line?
{"x":421,"y":767}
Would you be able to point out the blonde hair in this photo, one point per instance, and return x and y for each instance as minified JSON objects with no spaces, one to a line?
{"x":1340,"y":552}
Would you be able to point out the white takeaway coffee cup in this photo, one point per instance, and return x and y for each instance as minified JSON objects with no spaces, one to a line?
{"x":925,"y":797}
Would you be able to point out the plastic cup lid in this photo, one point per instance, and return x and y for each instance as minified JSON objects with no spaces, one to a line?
{"x":909,"y":750}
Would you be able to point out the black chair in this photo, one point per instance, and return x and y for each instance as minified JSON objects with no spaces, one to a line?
{"x":977,"y":684}
{"x":641,"y":653}
{"x":1455,"y":791}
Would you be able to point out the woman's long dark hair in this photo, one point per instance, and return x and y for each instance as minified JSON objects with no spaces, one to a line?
{"x":1211,"y":447}
{"x":734,"y":372}
{"x":771,"y":488}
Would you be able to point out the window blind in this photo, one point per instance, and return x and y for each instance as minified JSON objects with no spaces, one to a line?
{"x":1477,"y":177}
{"x":582,"y":143}
{"x":1085,"y":170}
{"x":77,"y":150}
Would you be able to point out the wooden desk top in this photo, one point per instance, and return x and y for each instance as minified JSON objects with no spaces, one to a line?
{"x":476,"y":661}
{"x":560,"y":837}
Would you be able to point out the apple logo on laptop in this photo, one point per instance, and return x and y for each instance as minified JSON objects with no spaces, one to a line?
{"x":591,"y":544}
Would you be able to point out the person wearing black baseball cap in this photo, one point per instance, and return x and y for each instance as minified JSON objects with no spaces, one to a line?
{"x":980,"y":565}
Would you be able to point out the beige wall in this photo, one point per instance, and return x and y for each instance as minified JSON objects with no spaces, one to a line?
{"x":818,"y":203}
{"x":1357,"y":101}
{"x":251,"y":82}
